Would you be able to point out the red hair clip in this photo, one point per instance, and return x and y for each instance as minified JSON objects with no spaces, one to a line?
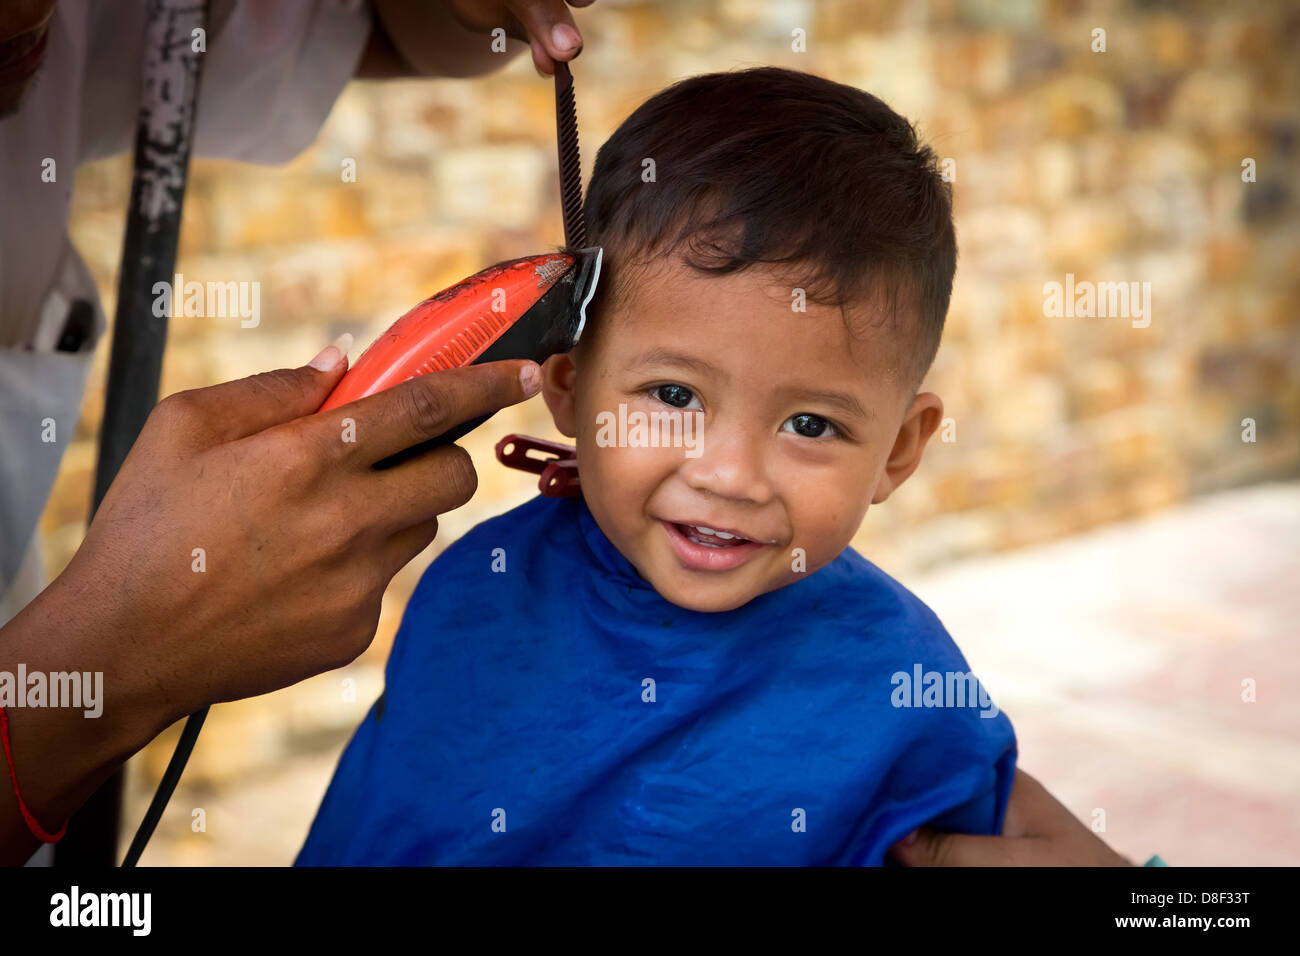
{"x":559,"y":470}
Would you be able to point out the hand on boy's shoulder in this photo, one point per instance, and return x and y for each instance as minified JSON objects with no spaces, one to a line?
{"x":1039,"y":831}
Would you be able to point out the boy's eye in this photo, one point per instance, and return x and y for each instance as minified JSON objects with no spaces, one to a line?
{"x":677,"y":396}
{"x":811,"y":426}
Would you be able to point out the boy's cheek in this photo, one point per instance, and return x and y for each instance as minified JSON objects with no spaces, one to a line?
{"x":826,"y":526}
{"x":624,"y":470}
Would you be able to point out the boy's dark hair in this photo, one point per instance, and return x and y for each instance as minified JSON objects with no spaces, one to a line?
{"x":775,"y":166}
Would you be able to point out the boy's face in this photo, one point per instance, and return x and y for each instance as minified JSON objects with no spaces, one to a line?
{"x":795,"y":428}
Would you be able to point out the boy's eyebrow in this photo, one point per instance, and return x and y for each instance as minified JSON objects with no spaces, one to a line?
{"x":844,"y":401}
{"x":666,"y":356}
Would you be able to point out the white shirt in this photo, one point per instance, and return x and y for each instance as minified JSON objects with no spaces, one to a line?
{"x":271,"y":73}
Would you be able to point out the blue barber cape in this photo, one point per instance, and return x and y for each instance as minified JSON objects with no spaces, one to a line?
{"x":516,"y":726}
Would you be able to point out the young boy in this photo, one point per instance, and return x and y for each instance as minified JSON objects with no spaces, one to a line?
{"x":688,"y":664}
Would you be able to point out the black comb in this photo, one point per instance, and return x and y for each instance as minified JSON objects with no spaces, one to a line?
{"x":566,"y":127}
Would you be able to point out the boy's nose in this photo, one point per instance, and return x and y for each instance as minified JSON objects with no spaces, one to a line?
{"x":730,"y":464}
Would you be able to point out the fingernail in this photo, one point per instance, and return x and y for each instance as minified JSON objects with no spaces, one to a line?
{"x":332,"y":354}
{"x":564,"y":37}
{"x":531,"y":379}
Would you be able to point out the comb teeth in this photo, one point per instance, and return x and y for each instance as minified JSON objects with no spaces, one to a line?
{"x":566,"y":125}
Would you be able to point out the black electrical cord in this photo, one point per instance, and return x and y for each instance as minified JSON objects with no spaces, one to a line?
{"x":171,"y":74}
{"x":166,"y":786}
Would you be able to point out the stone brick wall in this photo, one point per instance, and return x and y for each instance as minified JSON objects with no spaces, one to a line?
{"x":1122,"y":165}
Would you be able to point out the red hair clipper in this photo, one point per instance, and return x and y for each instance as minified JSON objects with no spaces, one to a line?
{"x":530,"y":308}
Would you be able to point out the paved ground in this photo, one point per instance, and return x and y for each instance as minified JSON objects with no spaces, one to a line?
{"x":1119,"y":655}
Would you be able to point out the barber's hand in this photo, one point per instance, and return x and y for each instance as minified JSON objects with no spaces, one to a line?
{"x":1038,"y":831}
{"x":545,"y":25}
{"x":299,"y":534}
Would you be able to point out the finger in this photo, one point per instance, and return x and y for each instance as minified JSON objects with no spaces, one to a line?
{"x":246,"y":406}
{"x":1031,"y":809}
{"x":542,"y":61}
{"x":424,"y":407}
{"x":404,"y":546}
{"x":422,"y":487}
{"x":551,"y":31}
{"x":928,"y":847}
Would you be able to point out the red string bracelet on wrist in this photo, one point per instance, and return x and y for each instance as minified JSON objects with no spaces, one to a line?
{"x":32,"y":825}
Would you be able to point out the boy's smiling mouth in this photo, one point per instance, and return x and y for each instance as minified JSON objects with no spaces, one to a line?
{"x":704,"y":548}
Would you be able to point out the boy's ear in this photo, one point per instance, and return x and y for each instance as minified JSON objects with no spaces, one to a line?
{"x":918,"y":425}
{"x":559,"y":373}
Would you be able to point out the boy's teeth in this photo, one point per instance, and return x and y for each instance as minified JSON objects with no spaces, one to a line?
{"x":725,"y":535}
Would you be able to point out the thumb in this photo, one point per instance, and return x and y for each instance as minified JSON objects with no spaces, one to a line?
{"x":929,"y":847}
{"x":249,"y":405}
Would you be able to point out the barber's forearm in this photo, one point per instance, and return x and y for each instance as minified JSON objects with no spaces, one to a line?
{"x":432,"y":43}
{"x":61,"y":755}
